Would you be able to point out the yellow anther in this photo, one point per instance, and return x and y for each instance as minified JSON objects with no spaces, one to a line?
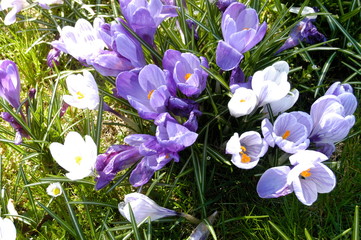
{"x":242,"y":100}
{"x":78,"y":159}
{"x":188,"y":75}
{"x":245,"y":158}
{"x":243,"y":149}
{"x":286,"y":134}
{"x":56,"y":191}
{"x":150,"y":94}
{"x":80,"y":95}
{"x":306,"y":173}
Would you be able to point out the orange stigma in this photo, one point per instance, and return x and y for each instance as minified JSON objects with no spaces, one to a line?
{"x":80,"y":95}
{"x":187,"y":76}
{"x":286,"y":134}
{"x":306,"y":173}
{"x":150,"y":94}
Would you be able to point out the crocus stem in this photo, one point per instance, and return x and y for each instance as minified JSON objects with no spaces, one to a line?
{"x":190,"y":218}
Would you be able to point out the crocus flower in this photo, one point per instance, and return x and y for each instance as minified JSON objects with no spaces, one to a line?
{"x":16,"y":5}
{"x":246,"y":149}
{"x":330,"y":122}
{"x":223,"y":4}
{"x":144,"y":18}
{"x":283,"y":104}
{"x":7,"y":229}
{"x":54,"y":189}
{"x":290,"y":131}
{"x":243,"y":102}
{"x":270,"y":84}
{"x":303,"y":31}
{"x":10,"y":83}
{"x":344,"y":93}
{"x":75,"y":155}
{"x":143,"y":207}
{"x":147,"y":92}
{"x":186,"y":70}
{"x":82,"y":41}
{"x":83,"y":90}
{"x":53,"y":57}
{"x":241,"y":32}
{"x":308,"y":177}
{"x":19,"y":131}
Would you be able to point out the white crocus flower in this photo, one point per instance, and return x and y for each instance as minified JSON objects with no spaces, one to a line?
{"x":76,"y":155}
{"x":7,"y":229}
{"x":143,"y":207}
{"x":54,"y":189}
{"x":283,"y":104}
{"x":16,"y":5}
{"x":305,"y":11}
{"x":83,"y":90}
{"x":243,"y":102}
{"x":270,"y":84}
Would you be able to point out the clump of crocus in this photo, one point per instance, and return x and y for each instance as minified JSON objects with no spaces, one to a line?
{"x":144,"y":18}
{"x":83,"y":90}
{"x":304,"y":31}
{"x":306,"y":178}
{"x":241,"y":32}
{"x":10,"y":83}
{"x":54,"y":189}
{"x":75,"y":155}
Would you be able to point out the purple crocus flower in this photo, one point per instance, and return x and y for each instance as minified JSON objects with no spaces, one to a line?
{"x":144,"y":18}
{"x":193,"y":27}
{"x":246,"y":149}
{"x":20,"y":132}
{"x":171,"y":135}
{"x":186,"y":70}
{"x":330,"y":122}
{"x":10,"y":83}
{"x":115,"y":159}
{"x":53,"y":57}
{"x":147,"y":92}
{"x":304,"y":31}
{"x":241,"y":32}
{"x":308,"y":177}
{"x":344,"y":93}
{"x":290,"y":131}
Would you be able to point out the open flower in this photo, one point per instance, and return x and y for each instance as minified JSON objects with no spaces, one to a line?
{"x":10,"y":83}
{"x":308,"y":177}
{"x":290,"y":131}
{"x":241,"y":32}
{"x":270,"y":84}
{"x":243,"y":102}
{"x":246,"y":149}
{"x":143,"y":207}
{"x":76,"y":155}
{"x":7,"y":229}
{"x":83,"y":90}
{"x":54,"y":189}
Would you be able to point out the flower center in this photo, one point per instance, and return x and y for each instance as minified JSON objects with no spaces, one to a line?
{"x":150,"y":94}
{"x":80,"y":95}
{"x":242,"y":100}
{"x":187,"y":76}
{"x":244,"y":157}
{"x":246,"y":28}
{"x":306,"y":173}
{"x":78,"y":159}
{"x":56,"y":191}
{"x":286,"y":134}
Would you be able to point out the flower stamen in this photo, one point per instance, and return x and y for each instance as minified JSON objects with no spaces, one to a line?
{"x":150,"y":94}
{"x":306,"y":173}
{"x":187,"y":76}
{"x":286,"y":134}
{"x":80,"y":95}
{"x":78,"y":159}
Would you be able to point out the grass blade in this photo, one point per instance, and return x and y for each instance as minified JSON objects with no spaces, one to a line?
{"x":356,"y":225}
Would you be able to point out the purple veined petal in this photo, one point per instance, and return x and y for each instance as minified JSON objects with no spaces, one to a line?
{"x":144,"y":108}
{"x":267,"y":131}
{"x":142,"y":173}
{"x":155,"y":8}
{"x":228,"y":27}
{"x":306,"y":191}
{"x":261,"y":31}
{"x":159,"y":99}
{"x":305,"y":119}
{"x":273,"y":183}
{"x":227,"y":58}
{"x":247,"y":18}
{"x":231,"y":12}
{"x":238,"y":40}
{"x":151,"y":77}
{"x":127,"y":84}
{"x":324,"y":105}
{"x":137,"y":139}
{"x":109,"y":63}
{"x":323,"y":178}
{"x":10,"y":83}
{"x":307,"y":155}
{"x":170,"y":59}
{"x":130,"y":50}
{"x":326,"y":148}
{"x":337,"y":88}
{"x":349,"y":102}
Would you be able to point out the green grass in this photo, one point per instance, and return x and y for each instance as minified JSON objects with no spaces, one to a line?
{"x":204,"y":181}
